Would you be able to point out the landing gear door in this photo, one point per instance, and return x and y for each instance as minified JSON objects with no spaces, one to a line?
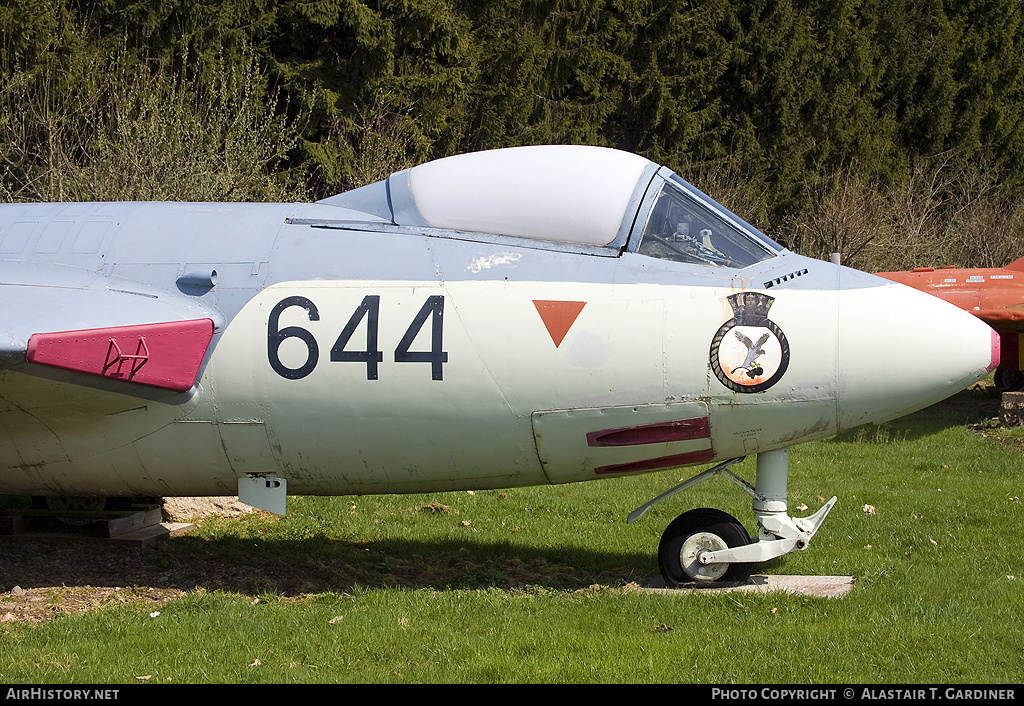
{"x":583,"y":444}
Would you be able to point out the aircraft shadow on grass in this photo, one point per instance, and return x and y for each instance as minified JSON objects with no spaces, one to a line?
{"x":320,"y":565}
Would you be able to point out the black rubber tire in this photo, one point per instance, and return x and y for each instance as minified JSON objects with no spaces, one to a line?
{"x":721,"y":524}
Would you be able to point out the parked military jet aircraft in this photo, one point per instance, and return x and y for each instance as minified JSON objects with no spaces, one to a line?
{"x":993,"y":294}
{"x":504,"y":318}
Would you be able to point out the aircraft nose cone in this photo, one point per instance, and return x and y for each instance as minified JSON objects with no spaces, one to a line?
{"x":900,"y":350}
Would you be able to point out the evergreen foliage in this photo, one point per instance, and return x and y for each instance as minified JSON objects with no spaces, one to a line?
{"x":849,"y":124}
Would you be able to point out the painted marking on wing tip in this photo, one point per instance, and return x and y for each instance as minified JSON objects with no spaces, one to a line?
{"x":558,"y":317}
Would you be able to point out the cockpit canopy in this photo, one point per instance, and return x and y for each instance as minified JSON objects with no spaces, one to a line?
{"x":592,"y":197}
{"x":680,"y":227}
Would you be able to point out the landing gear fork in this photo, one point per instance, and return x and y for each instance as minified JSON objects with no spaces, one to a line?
{"x":708,"y":545}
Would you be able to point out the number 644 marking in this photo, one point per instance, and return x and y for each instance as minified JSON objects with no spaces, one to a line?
{"x":369,"y":309}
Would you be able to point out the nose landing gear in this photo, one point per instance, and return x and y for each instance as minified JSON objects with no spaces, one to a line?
{"x":706,"y":546}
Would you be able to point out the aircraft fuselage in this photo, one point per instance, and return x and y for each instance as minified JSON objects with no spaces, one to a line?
{"x":363,"y":359}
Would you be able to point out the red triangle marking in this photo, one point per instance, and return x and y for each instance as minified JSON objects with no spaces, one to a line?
{"x":558,"y":317}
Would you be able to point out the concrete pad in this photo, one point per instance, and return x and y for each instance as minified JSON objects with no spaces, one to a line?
{"x":820,"y":586}
{"x":146,"y":536}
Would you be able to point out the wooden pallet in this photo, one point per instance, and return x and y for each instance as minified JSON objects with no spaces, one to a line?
{"x":139,"y":525}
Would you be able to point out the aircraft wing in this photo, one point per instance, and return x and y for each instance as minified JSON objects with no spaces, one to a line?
{"x":1001,"y":318}
{"x":101,"y":326}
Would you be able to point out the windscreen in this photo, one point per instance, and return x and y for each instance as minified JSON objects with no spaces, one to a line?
{"x":682,"y":229}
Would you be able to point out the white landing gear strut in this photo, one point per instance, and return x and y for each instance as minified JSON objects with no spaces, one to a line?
{"x":706,"y":545}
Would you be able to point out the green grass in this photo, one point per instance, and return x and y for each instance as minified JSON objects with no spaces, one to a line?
{"x":530,"y":585}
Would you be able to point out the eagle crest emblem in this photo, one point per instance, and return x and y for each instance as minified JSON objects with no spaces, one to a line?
{"x":749,"y":353}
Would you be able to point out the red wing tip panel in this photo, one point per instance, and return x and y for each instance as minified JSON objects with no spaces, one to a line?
{"x":166,"y":354}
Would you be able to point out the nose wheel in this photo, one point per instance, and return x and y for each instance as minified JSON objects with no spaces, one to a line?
{"x":704,"y":546}
{"x":698,"y":532}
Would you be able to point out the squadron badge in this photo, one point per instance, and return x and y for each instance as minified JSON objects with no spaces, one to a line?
{"x":749,"y":353}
